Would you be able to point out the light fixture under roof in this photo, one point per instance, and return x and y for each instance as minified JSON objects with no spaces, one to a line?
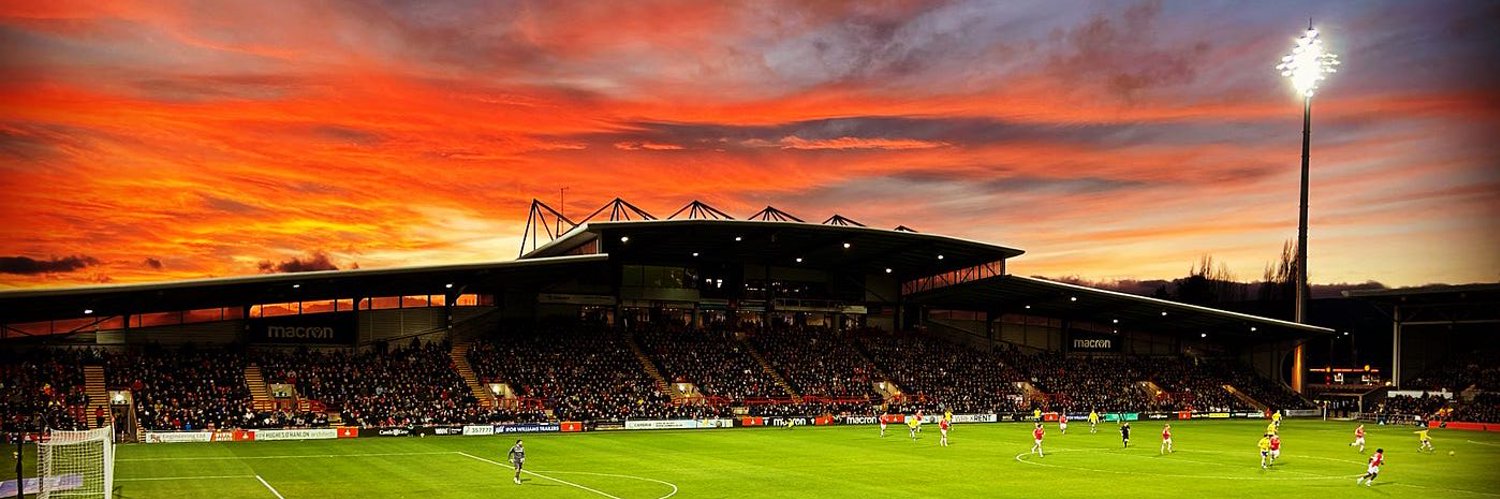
{"x":940,"y":257}
{"x":1202,"y":335}
{"x":449,"y":285}
{"x":799,"y":259}
{"x":738,"y":238}
{"x":846,"y":245}
{"x":695,"y":254}
{"x":88,"y":311}
{"x":296,"y":286}
{"x":1072,"y":298}
{"x":888,"y":270}
{"x":624,"y":239}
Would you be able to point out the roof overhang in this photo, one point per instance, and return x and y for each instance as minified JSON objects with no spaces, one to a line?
{"x":777,"y":243}
{"x":110,"y":300}
{"x":1028,"y":295}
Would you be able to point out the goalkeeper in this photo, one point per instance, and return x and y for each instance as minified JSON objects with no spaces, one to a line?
{"x":517,"y":458}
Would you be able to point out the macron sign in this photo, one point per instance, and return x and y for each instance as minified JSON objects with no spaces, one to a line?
{"x":312,"y":329}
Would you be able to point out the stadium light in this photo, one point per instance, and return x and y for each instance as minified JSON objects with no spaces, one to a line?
{"x":1164,"y":313}
{"x":296,"y":286}
{"x":695,"y":254}
{"x":887,"y":270}
{"x":1116,"y":321}
{"x":448,"y":286}
{"x":738,"y":238}
{"x":1072,"y":298}
{"x":1308,"y":65}
{"x":1202,"y":335}
{"x":846,"y":245}
{"x":624,"y":239}
{"x":1252,"y":329}
{"x":88,"y":311}
{"x":940,"y":257}
{"x":1028,"y":307}
{"x":799,"y":259}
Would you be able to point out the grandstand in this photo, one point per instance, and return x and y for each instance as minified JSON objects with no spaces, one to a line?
{"x":630,"y":322}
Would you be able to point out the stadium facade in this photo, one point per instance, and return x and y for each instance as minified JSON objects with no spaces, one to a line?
{"x":622,"y":265}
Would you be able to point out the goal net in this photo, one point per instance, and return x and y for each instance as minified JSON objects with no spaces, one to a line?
{"x":76,"y":464}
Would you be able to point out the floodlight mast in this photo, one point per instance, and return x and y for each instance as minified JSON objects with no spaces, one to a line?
{"x":1308,"y":65}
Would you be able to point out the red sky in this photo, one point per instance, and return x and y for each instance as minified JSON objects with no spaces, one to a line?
{"x":149,"y":140}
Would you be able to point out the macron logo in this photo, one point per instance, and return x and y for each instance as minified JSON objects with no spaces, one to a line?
{"x":1096,"y":344}
{"x":325,"y":333}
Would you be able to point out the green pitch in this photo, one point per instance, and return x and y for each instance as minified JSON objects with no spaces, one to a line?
{"x":1213,"y":459}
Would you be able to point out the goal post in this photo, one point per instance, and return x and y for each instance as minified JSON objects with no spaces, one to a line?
{"x":76,"y":464}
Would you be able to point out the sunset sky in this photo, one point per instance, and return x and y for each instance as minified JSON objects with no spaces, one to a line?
{"x":155,"y":140}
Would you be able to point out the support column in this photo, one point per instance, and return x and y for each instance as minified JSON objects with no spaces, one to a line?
{"x":1396,"y":347}
{"x":1297,"y":368}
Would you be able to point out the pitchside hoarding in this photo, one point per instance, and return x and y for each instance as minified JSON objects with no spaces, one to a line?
{"x":311,"y":329}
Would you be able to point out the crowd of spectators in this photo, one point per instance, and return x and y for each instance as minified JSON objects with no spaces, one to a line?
{"x":184,"y":389}
{"x":1459,"y":372}
{"x":1082,"y":384}
{"x":581,"y":373}
{"x":713,"y":360}
{"x":1484,"y":408}
{"x":935,"y":374}
{"x":44,"y":388}
{"x":411,"y":385}
{"x":818,"y":362}
{"x":1262,"y":389}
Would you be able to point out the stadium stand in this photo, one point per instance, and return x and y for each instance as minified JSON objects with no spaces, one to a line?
{"x":415,"y":384}
{"x":936,"y":374}
{"x":818,"y":362}
{"x":714,"y":361}
{"x":43,"y":388}
{"x":184,"y":389}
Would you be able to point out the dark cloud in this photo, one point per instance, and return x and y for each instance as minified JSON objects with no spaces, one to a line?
{"x":313,"y":262}
{"x":203,"y":88}
{"x":29,"y":266}
{"x":1123,"y":54}
{"x":153,"y":263}
{"x":346,"y":135}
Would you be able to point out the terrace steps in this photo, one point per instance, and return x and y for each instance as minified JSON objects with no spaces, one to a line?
{"x":1243,"y":397}
{"x":94,"y":385}
{"x":771,"y":371}
{"x":460,"y":356}
{"x":260,"y":392}
{"x":650,"y":367}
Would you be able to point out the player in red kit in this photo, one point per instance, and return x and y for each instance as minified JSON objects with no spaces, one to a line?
{"x":943,"y":426}
{"x":1275,"y":447}
{"x":1375,"y":461}
{"x":1359,"y":438}
{"x":1062,"y":423}
{"x":1036,"y":434}
{"x":1166,"y":439}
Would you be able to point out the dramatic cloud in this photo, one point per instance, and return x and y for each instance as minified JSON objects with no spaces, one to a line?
{"x":316,"y":261}
{"x":27,"y":266}
{"x":1108,"y":140}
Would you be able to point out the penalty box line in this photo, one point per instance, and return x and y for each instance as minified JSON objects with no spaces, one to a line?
{"x":288,"y":456}
{"x":533,"y":473}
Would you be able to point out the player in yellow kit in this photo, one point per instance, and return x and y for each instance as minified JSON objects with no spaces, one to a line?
{"x":1265,"y":451}
{"x":1093,"y":421}
{"x":1426,"y":441}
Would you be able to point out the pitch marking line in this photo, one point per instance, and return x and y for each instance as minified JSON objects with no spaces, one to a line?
{"x":290,"y":456}
{"x":165,"y":478}
{"x":1175,"y":475}
{"x":565,"y":482}
{"x":1492,"y":444}
{"x":269,"y":487}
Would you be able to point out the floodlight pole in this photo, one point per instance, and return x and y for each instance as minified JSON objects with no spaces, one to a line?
{"x":1300,"y":312}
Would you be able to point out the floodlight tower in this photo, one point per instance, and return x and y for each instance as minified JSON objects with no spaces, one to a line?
{"x":1307,"y":65}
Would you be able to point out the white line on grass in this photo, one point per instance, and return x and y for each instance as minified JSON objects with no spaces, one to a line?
{"x":1483,"y":443}
{"x":632,"y":477}
{"x":165,"y":478}
{"x":564,"y":482}
{"x":269,"y":487}
{"x":289,"y":456}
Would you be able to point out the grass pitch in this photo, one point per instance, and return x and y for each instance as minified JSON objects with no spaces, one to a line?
{"x":1213,"y":458}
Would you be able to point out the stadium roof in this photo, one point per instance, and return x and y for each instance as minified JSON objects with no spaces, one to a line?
{"x":780,"y":243}
{"x":60,"y":303}
{"x":1028,"y":295}
{"x":1438,"y":305}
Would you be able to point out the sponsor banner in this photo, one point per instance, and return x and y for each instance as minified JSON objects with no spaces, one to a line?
{"x":388,"y":432}
{"x":1156,"y":415}
{"x":894,"y":418}
{"x":336,"y":328}
{"x":1079,"y":341}
{"x":300,"y":434}
{"x":447,"y":430}
{"x":1467,"y":426}
{"x":348,"y":431}
{"x":1049,"y":416}
{"x":781,"y":421}
{"x":244,"y":435}
{"x":609,"y":426}
{"x":570,"y":426}
{"x":1301,"y":413}
{"x":975,"y":418}
{"x":861,"y":419}
{"x":1121,"y":416}
{"x":661,"y":424}
{"x":528,"y":428}
{"x":1218,"y":415}
{"x":724,"y":423}
{"x":173,"y":437}
{"x":478,"y":430}
{"x":1184,"y":414}
{"x":752,"y":421}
